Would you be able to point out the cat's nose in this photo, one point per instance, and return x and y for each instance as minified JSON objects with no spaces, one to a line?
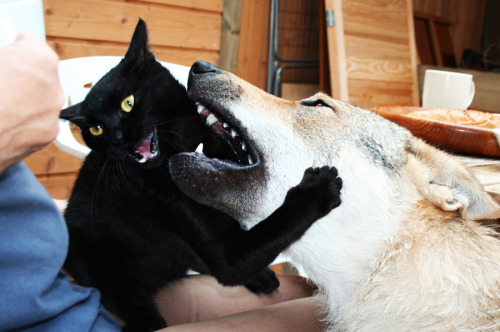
{"x":203,"y":67}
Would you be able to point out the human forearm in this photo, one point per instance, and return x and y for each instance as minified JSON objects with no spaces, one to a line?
{"x":31,"y":98}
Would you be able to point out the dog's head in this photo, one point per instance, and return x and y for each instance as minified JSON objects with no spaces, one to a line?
{"x":280,"y":139}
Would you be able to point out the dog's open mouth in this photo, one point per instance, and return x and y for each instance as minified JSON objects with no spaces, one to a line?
{"x":244,"y":153}
{"x":146,"y":149}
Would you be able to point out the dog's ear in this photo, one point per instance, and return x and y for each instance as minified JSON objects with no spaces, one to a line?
{"x":449,"y":185}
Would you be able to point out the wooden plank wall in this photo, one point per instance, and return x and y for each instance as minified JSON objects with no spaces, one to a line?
{"x":381,"y":59}
{"x":180,"y":31}
{"x":380,"y":52}
{"x":254,"y":42}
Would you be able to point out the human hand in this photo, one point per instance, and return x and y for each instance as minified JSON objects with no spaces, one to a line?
{"x":31,"y":98}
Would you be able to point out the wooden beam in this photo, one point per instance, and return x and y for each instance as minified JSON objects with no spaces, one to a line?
{"x":254,"y":41}
{"x":412,"y":44}
{"x":336,"y":51}
{"x":230,"y":35}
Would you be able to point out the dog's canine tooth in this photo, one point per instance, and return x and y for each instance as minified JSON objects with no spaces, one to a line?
{"x":199,"y":108}
{"x":211,"y":119}
{"x":199,"y":149}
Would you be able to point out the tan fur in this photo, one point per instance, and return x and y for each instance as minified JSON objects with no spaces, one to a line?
{"x":440,"y":179}
{"x":403,"y":251}
{"x":439,"y":273}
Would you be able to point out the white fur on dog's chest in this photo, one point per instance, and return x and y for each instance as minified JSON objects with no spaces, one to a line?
{"x":339,"y":249}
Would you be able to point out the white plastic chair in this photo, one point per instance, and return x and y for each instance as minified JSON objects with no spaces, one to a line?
{"x":76,"y":76}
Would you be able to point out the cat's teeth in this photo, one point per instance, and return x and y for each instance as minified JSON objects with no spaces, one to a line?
{"x":200,"y":108}
{"x":211,"y":119}
{"x":243,"y":146}
{"x":225,"y":125}
{"x":234,"y":133}
{"x":250,"y":160}
{"x":199,"y":149}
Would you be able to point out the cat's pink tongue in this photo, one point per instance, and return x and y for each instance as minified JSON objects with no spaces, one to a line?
{"x":144,"y":148}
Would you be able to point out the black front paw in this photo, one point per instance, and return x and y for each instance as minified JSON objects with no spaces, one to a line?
{"x":319,"y":188}
{"x":266,"y":282}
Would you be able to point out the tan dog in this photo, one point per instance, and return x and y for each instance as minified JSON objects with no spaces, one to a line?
{"x":401,"y":253}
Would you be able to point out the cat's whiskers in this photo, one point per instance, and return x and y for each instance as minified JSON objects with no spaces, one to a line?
{"x":121,"y":171}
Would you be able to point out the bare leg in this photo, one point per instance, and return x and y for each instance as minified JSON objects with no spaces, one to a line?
{"x":299,"y":315}
{"x":200,"y":298}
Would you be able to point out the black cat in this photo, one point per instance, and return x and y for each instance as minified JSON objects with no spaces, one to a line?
{"x":131,"y":230}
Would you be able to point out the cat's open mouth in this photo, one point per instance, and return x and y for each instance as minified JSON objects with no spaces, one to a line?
{"x":244,"y":154}
{"x":146,"y":149}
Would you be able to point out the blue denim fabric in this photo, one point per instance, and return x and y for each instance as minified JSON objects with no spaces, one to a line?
{"x":34,"y":294}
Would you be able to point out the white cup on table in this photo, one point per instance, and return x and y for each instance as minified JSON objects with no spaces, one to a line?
{"x":20,"y":16}
{"x":445,"y":89}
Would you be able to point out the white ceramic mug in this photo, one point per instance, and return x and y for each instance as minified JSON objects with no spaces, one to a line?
{"x":445,"y":89}
{"x":20,"y":16}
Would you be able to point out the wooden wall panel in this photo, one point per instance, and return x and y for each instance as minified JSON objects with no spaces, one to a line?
{"x":115,"y":21}
{"x":211,"y":5}
{"x":368,"y":94}
{"x":254,"y":42}
{"x":380,"y":52}
{"x":59,"y":185}
{"x":71,"y":48}
{"x":180,"y":31}
{"x":52,"y":161}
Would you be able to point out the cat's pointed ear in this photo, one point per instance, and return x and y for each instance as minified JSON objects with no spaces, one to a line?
{"x":139,"y":48}
{"x":73,"y":114}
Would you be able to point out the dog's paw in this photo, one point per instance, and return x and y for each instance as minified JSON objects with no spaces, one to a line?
{"x":320,"y":188}
{"x":266,"y":282}
{"x":443,"y":197}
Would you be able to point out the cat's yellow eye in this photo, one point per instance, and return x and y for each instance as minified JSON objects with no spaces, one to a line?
{"x":128,"y":104}
{"x":96,"y":130}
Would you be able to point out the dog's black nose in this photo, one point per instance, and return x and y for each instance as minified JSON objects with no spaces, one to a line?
{"x":203,"y":67}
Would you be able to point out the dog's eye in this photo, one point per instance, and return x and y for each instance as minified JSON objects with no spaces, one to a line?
{"x":315,"y":103}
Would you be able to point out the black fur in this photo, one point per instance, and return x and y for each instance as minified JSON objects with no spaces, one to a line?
{"x":132,"y":231}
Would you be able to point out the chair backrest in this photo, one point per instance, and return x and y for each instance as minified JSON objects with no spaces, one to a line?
{"x":77,"y":76}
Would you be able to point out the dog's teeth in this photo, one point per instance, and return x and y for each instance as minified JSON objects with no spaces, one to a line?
{"x":200,"y":108}
{"x":243,"y":146}
{"x":234,"y":133}
{"x":199,"y":149}
{"x":225,"y":125}
{"x":211,"y":120}
{"x":250,"y":160}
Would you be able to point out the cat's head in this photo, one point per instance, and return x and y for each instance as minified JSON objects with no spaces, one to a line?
{"x":138,"y":112}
